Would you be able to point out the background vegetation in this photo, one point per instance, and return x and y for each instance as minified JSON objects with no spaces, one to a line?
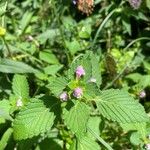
{"x":41,"y":39}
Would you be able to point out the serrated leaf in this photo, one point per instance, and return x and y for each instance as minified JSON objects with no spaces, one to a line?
{"x":96,"y":69}
{"x":11,"y":66}
{"x":94,"y":125}
{"x":135,"y":138}
{"x":53,"y":69}
{"x":85,"y":143}
{"x":34,"y":119}
{"x":73,"y":46}
{"x":135,"y":77}
{"x":20,"y":87}
{"x":76,"y":118}
{"x":5,"y":138}
{"x":119,"y":106}
{"x":4,"y":110}
{"x":140,"y":127}
{"x":91,"y":91}
{"x":58,"y":85}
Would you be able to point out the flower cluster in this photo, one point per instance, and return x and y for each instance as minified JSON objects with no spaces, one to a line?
{"x":85,"y":6}
{"x":135,"y":3}
{"x":77,"y":92}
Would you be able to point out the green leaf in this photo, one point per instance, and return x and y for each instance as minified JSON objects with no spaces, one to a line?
{"x":140,"y":127}
{"x":4,"y":109}
{"x":33,"y":120}
{"x":135,"y":77}
{"x":96,"y":69}
{"x":50,"y":143}
{"x":76,"y":118}
{"x":26,"y":18}
{"x":91,"y":91}
{"x":53,"y":69}
{"x":85,"y":31}
{"x":126,"y":23}
{"x":135,"y":138}
{"x":20,"y":87}
{"x":119,"y":106}
{"x":73,"y":46}
{"x":94,"y":125}
{"x":48,"y":57}
{"x":49,"y":34}
{"x":11,"y":66}
{"x":58,"y":85}
{"x":5,"y":138}
{"x":3,"y":6}
{"x":144,"y":82}
{"x":148,"y":4}
{"x":85,"y":143}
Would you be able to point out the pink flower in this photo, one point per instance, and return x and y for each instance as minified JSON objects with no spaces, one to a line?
{"x":63,"y":96}
{"x":78,"y":92}
{"x":80,"y":71}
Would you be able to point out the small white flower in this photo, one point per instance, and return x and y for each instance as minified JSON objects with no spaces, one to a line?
{"x":93,"y":80}
{"x":64,"y":96}
{"x":142,"y":94}
{"x":19,"y":103}
{"x":147,"y":146}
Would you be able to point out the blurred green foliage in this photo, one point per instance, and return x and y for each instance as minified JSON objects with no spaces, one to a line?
{"x":42,"y":42}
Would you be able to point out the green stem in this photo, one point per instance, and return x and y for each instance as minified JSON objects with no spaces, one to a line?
{"x":100,"y":139}
{"x":136,"y":40}
{"x":7,"y":47}
{"x":116,"y":78}
{"x":101,"y":26}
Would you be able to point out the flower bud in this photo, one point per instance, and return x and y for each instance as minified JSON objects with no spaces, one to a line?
{"x":142,"y":94}
{"x":80,"y":71}
{"x":63,"y":96}
{"x":78,"y":92}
